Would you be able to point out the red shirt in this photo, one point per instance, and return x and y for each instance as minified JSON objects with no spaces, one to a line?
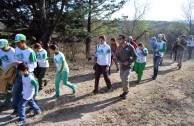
{"x":133,"y":44}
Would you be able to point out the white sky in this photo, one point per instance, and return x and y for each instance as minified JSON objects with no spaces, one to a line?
{"x":162,"y":10}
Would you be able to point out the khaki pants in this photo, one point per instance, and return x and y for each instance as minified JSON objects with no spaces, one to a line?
{"x":124,"y":75}
{"x":180,"y":56}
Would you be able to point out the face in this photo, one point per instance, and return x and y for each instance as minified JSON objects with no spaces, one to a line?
{"x":19,"y":44}
{"x":37,"y":50}
{"x":23,"y":72}
{"x":53,"y":51}
{"x":101,"y":41}
{"x":112,"y":42}
{"x":141,"y":47}
{"x":5,"y":48}
{"x":120,"y":41}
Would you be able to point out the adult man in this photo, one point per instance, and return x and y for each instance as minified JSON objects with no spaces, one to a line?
{"x":6,"y":58}
{"x":22,"y":54}
{"x":190,"y":44}
{"x":126,"y":56}
{"x":181,"y":46}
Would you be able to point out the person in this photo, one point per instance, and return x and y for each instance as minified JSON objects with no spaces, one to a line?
{"x":42,"y":66}
{"x":126,"y":56}
{"x":62,"y":71}
{"x":23,"y":53}
{"x":6,"y":58}
{"x":158,"y":56}
{"x":154,"y":44}
{"x":164,"y":40}
{"x":181,"y":46}
{"x":190,"y":44}
{"x":174,"y":50}
{"x":140,"y":63}
{"x":134,"y":44}
{"x":113,"y":47}
{"x":103,"y":62}
{"x":30,"y":89}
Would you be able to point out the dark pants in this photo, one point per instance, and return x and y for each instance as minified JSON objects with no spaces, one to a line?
{"x":175,"y":53}
{"x":39,"y":73}
{"x":190,"y":49}
{"x":156,"y":61}
{"x":101,"y":69}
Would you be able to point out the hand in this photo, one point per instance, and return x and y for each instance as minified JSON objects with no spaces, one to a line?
{"x":58,"y":74}
{"x":126,"y":63}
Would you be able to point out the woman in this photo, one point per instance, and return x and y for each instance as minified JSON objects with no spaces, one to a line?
{"x":140,"y":63}
{"x":113,"y":47}
{"x":163,"y":39}
{"x":62,"y":71}
{"x":43,"y":64}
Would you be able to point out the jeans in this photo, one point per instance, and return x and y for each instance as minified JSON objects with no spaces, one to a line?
{"x":156,"y":61}
{"x":22,"y":109}
{"x":17,"y":92}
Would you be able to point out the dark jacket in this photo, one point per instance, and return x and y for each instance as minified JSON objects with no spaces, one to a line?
{"x":182,"y":45}
{"x":126,"y":54}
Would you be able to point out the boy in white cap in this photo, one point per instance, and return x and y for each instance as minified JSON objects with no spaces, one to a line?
{"x":6,"y":58}
{"x":22,"y":54}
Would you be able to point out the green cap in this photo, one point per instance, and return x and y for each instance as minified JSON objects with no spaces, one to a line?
{"x":19,"y":37}
{"x":3,"y":43}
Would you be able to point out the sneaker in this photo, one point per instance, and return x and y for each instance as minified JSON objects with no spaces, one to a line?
{"x":14,"y":115}
{"x":108,"y":89}
{"x":123,"y":95}
{"x":154,"y":78}
{"x":94,"y":92}
{"x":179,"y":67}
{"x":138,"y":81}
{"x":74,"y":89}
{"x":20,"y":122}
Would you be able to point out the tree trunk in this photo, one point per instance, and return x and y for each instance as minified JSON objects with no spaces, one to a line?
{"x":88,"y":39}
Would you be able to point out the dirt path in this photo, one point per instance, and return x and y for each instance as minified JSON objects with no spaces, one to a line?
{"x":169,"y":100}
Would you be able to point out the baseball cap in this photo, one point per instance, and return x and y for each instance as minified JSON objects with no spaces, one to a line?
{"x":130,"y":37}
{"x":3,"y":42}
{"x":160,"y":35}
{"x":19,"y":37}
{"x":121,"y":37}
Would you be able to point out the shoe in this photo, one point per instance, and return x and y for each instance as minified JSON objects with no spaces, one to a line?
{"x":179,"y":67}
{"x":117,"y":70}
{"x":94,"y":92}
{"x":123,"y":95}
{"x":154,"y":78}
{"x":74,"y":89}
{"x":138,"y":81}
{"x":108,"y":89}
{"x":14,"y":115}
{"x":40,"y":88}
{"x":20,"y":122}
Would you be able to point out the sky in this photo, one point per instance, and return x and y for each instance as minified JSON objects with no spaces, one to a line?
{"x":159,"y":10}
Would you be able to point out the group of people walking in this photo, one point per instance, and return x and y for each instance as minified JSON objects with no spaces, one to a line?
{"x":32,"y":64}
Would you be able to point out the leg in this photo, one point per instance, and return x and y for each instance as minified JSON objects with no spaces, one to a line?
{"x":125,"y":81}
{"x":16,"y":93}
{"x":136,"y":65}
{"x":178,"y":58}
{"x":156,"y":66}
{"x":181,"y":58}
{"x":22,"y":110}
{"x":33,"y":104}
{"x":189,"y":51}
{"x":7,"y":101}
{"x":106,"y":78}
{"x":41,"y":76}
{"x":65,"y":75}
{"x":98,"y":72}
{"x":140,"y":72}
{"x":57,"y":82}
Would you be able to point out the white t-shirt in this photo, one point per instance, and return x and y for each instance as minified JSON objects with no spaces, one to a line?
{"x":28,"y":87}
{"x":58,"y":59}
{"x":7,"y":57}
{"x":140,"y":57}
{"x":103,"y":54}
{"x":28,"y":56}
{"x":42,"y":58}
{"x":190,"y":43}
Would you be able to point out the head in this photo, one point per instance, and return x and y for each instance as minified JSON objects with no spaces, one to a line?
{"x":160,"y":36}
{"x":191,"y":37}
{"x":37,"y":47}
{"x":4,"y":44}
{"x":23,"y":68}
{"x":53,"y":49}
{"x":141,"y":45}
{"x":20,"y":41}
{"x":113,"y":40}
{"x":183,"y":37}
{"x":130,"y":38}
{"x":177,"y":39}
{"x":102,"y":39}
{"x":121,"y":39}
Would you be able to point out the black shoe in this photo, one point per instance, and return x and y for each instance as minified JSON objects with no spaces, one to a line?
{"x":138,"y":81}
{"x":108,"y":89}
{"x":117,"y":70}
{"x":123,"y":95}
{"x":14,"y":114}
{"x":154,"y":78}
{"x":179,"y":67}
{"x":40,"y":88}
{"x":94,"y":92}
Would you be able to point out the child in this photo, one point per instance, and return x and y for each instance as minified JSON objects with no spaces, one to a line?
{"x":140,"y":63}
{"x":154,"y":45}
{"x":62,"y":71}
{"x":43,"y":64}
{"x":30,"y":89}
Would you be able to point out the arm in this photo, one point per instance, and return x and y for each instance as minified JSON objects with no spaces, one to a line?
{"x":164,"y":48}
{"x":117,"y":55}
{"x":144,"y":52}
{"x":32,"y":58}
{"x":134,"y":55}
{"x":35,"y":84}
{"x":109,"y":56}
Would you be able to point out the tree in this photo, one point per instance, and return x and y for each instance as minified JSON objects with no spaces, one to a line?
{"x":39,"y":18}
{"x":188,"y":12}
